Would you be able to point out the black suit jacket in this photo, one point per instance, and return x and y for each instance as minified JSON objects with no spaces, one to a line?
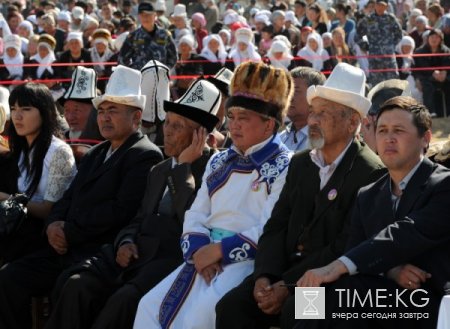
{"x":307,"y":216}
{"x":418,"y":233}
{"x":105,"y":196}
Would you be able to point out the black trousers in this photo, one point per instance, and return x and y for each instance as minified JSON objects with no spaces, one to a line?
{"x":238,"y":309}
{"x":362,"y":284}
{"x":32,"y":275}
{"x":90,"y":300}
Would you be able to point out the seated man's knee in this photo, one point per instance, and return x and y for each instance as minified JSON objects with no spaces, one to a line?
{"x":126,"y":295}
{"x":224,"y":304}
{"x":81,"y":282}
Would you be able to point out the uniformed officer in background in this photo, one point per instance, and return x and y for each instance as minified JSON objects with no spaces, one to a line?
{"x":148,"y":42}
{"x":384,"y":33}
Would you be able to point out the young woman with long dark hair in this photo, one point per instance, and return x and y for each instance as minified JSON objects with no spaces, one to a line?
{"x":44,"y":165}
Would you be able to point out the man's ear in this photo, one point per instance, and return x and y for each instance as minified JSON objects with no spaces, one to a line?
{"x":137,"y":115}
{"x":426,"y":140}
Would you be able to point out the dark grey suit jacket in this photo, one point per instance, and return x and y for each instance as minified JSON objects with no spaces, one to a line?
{"x":418,"y":233}
{"x":307,"y":216}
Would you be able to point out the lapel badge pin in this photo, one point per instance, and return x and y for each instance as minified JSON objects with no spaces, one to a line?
{"x":332,"y":194}
{"x":255,"y":186}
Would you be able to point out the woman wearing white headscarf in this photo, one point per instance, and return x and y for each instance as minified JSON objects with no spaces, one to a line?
{"x":213,"y":54}
{"x":44,"y":57}
{"x":226,"y":39}
{"x":406,"y":48}
{"x":313,"y":54}
{"x":25,"y":31}
{"x":279,"y":55}
{"x":244,"y":50}
{"x":12,"y":59}
{"x":187,"y":65}
{"x":101,"y":52}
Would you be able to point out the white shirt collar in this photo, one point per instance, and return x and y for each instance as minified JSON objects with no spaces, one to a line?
{"x":174,"y":162}
{"x":253,"y":148}
{"x":317,"y":157}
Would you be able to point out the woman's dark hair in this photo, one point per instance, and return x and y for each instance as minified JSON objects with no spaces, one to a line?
{"x":268,"y":29}
{"x":36,"y":95}
{"x":344,"y":8}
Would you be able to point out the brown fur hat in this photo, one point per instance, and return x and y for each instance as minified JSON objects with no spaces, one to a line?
{"x":261,"y":88}
{"x":48,"y":39}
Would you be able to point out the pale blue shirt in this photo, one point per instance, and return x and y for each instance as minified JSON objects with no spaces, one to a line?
{"x":295,"y":140}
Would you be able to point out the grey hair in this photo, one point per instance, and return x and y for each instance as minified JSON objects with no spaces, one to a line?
{"x":348,"y":113}
{"x":309,"y":75}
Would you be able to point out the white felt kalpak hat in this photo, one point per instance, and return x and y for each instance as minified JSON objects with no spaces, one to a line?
{"x":83,"y":87}
{"x":179,"y":11}
{"x":124,"y":87}
{"x":346,"y":86}
{"x":222,"y":80}
{"x":244,"y":35}
{"x":155,"y":86}
{"x":200,"y":103}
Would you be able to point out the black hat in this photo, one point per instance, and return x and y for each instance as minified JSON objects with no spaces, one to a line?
{"x":382,"y":1}
{"x":200,"y":103}
{"x":145,"y":6}
{"x":83,"y":87}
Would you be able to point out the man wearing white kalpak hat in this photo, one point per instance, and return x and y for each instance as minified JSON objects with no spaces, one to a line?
{"x":147,"y":250}
{"x":239,"y":189}
{"x":308,"y":223}
{"x":102,"y":199}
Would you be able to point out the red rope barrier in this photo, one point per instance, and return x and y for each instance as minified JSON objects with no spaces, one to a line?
{"x":183,"y":77}
{"x":230,"y":60}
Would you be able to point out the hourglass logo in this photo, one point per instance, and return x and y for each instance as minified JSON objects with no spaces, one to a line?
{"x":310,"y":303}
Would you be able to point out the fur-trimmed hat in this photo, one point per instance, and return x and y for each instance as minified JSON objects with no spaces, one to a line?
{"x":200,"y":103}
{"x":261,"y":88}
{"x":48,"y":40}
{"x":101,"y":36}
